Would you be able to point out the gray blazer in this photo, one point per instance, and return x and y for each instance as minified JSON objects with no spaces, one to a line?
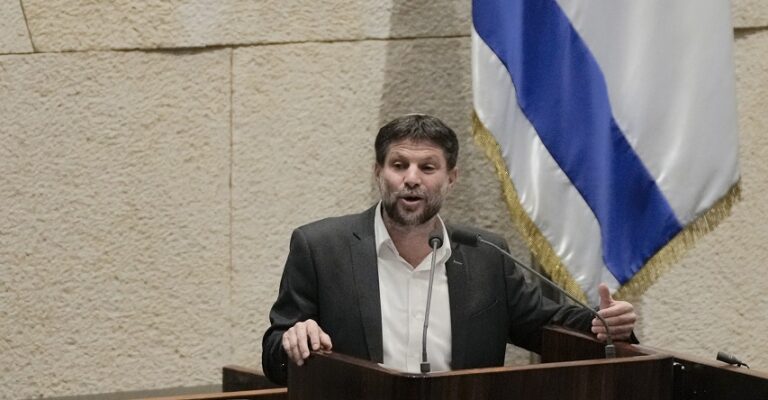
{"x":331,"y":276}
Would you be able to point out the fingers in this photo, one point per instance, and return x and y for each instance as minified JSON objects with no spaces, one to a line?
{"x":313,"y":335}
{"x":605,"y":296}
{"x":617,"y":316}
{"x":325,"y":341}
{"x":617,"y":308}
{"x":623,"y":332}
{"x":303,"y":336}
{"x":616,"y":330}
{"x":613,"y":322}
{"x":292,"y":339}
{"x":620,"y":312}
{"x":620,"y":317}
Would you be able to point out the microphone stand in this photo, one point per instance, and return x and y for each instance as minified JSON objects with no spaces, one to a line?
{"x":610,"y":349}
{"x":435,"y":241}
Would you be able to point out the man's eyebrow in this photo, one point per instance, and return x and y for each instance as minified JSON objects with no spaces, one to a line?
{"x":432,"y":159}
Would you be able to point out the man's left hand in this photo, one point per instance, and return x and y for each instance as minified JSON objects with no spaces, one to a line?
{"x":620,"y":316}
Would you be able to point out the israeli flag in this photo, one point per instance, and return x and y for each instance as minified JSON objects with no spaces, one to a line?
{"x":613,"y":126}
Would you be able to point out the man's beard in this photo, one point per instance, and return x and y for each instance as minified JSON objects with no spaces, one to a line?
{"x":389,"y":200}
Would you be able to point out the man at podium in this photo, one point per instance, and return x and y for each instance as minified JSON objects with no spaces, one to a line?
{"x":358,"y":283}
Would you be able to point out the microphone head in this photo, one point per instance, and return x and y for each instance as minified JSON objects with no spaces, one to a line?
{"x":436,"y":238}
{"x":730,"y":359}
{"x":464,"y":237}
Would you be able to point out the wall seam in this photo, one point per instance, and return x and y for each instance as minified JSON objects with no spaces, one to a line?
{"x":231,"y":267}
{"x":26,"y":23}
{"x":231,"y":46}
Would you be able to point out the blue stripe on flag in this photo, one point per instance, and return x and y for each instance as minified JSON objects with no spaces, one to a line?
{"x":562,"y":91}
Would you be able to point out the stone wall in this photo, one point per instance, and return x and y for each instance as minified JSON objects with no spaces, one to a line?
{"x":156,"y":155}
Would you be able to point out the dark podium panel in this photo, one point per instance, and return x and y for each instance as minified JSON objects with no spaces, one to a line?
{"x":574,"y":371}
{"x":333,"y":376}
{"x":693,"y":378}
{"x":700,"y":379}
{"x":572,"y":367}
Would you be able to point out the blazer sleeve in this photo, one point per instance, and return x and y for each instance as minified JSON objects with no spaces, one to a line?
{"x":296,"y":301}
{"x":529,"y":311}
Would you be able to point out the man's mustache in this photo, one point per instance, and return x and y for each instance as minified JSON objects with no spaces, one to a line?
{"x":410,"y":193}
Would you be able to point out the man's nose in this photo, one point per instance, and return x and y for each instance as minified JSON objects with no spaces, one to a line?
{"x":412,"y":177}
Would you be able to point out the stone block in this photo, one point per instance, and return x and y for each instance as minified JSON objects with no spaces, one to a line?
{"x":14,"y":37}
{"x":59,"y":25}
{"x":114,"y":235}
{"x":749,"y":13}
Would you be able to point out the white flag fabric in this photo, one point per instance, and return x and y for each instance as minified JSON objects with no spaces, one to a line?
{"x":613,"y":126}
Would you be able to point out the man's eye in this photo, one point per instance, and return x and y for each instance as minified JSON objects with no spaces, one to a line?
{"x":398,"y":165}
{"x":428,"y":167}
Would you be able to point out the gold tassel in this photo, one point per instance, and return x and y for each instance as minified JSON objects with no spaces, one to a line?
{"x":545,"y":255}
{"x":676,"y":248}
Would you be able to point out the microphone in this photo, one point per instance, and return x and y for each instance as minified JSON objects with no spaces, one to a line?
{"x":436,"y":239}
{"x":473,"y":239}
{"x":466,"y":238}
{"x":435,"y":242}
{"x":730,"y":359}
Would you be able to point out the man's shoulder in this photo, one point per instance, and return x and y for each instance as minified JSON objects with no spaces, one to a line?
{"x":342,"y":223}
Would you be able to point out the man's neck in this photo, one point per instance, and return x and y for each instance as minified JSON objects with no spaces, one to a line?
{"x":411,"y":242}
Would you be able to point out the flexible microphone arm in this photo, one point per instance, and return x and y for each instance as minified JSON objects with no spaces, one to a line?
{"x":435,"y":241}
{"x":472,"y":240}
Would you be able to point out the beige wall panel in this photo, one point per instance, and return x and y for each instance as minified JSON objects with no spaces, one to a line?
{"x":14,"y":37}
{"x":114,"y":232}
{"x":749,"y":13}
{"x":305,"y":119}
{"x":83,"y":25}
{"x":717,"y":297}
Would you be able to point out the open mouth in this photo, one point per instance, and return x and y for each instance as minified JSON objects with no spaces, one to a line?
{"x":410,"y":199}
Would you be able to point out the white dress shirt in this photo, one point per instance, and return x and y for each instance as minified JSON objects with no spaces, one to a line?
{"x":403,"y":294}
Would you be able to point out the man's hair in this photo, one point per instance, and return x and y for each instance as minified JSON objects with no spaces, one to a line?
{"x":418,"y":128}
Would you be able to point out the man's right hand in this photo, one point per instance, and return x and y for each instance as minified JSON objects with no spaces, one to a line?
{"x":298,"y":339}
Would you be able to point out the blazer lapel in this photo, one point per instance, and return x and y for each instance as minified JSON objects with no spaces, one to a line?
{"x":456,"y":270}
{"x":366,"y":276}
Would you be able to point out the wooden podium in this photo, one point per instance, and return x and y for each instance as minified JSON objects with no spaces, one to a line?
{"x":572,"y":367}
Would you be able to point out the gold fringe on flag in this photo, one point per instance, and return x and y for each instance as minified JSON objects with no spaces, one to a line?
{"x":680,"y":244}
{"x":545,"y":255}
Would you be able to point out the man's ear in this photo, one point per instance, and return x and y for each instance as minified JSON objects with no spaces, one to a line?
{"x":453,"y":176}
{"x":376,"y":170}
